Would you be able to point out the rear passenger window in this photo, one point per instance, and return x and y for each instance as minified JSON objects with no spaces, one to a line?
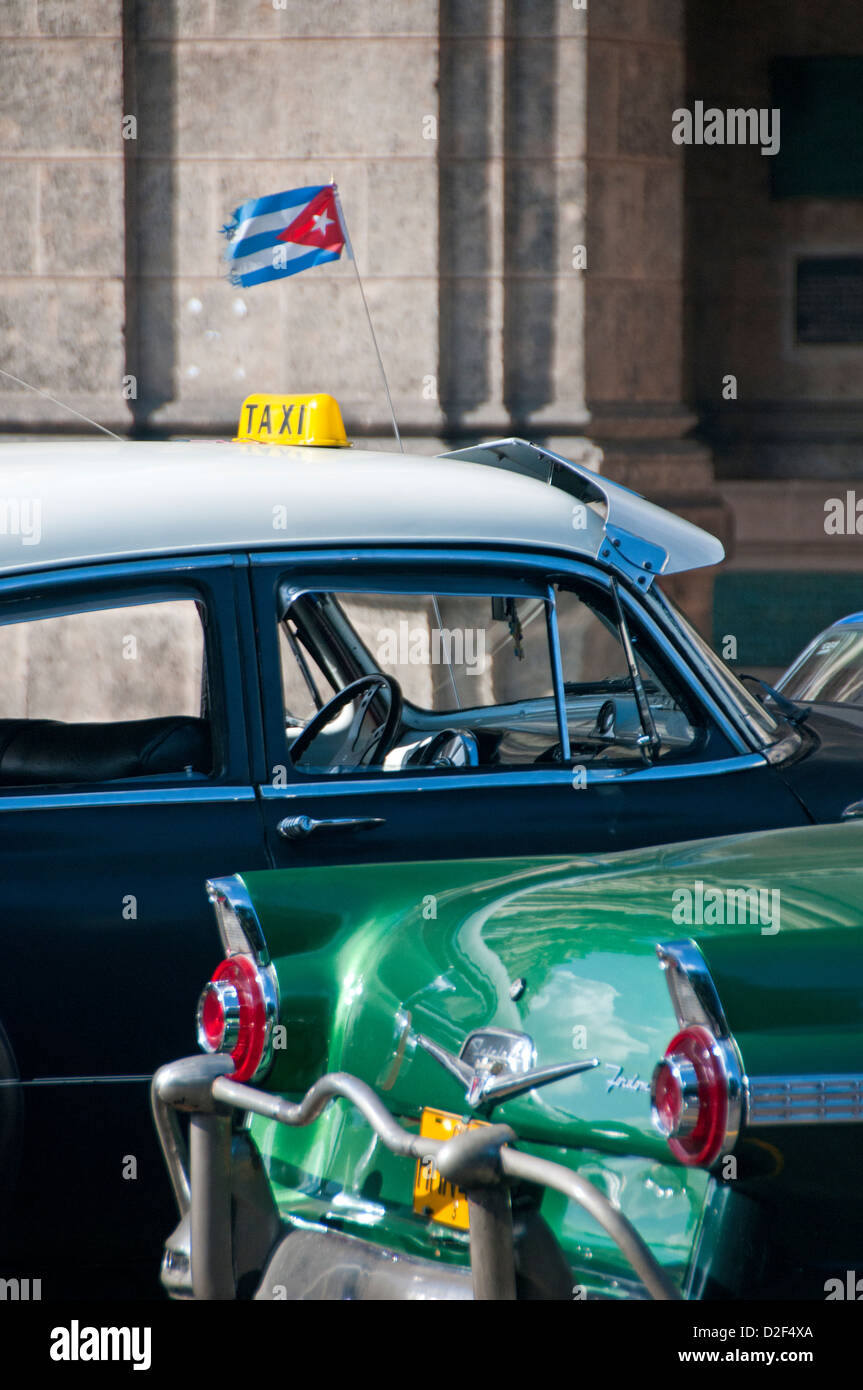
{"x":105,"y":694}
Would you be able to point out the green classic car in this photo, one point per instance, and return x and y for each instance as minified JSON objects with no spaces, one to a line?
{"x":617,"y":1076}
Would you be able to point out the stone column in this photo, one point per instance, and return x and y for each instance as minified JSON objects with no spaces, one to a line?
{"x":634,"y":327}
{"x":62,"y":302}
{"x":512,"y":183}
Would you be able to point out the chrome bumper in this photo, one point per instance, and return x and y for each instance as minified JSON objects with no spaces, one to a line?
{"x":202,"y":1260}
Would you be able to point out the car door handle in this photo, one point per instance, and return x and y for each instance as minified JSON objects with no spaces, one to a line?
{"x":300,"y":827}
{"x":854,"y":811}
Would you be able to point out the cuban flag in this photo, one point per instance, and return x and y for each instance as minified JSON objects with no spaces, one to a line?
{"x":269,"y":238}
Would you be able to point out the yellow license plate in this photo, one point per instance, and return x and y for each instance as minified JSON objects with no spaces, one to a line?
{"x":434,"y":1196}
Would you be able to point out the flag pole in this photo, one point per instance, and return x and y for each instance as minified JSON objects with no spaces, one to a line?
{"x":350,"y":250}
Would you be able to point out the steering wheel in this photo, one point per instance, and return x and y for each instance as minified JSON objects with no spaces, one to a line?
{"x":354,"y":751}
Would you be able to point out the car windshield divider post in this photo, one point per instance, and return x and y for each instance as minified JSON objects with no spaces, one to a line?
{"x":650,"y":743}
{"x":557,"y":674}
{"x":204,"y":1087}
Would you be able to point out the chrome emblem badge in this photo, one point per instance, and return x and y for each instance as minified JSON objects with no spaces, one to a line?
{"x":495,"y":1064}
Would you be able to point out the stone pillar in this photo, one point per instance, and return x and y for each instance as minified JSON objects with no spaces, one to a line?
{"x":634,"y":325}
{"x":62,"y":304}
{"x":512,"y":180}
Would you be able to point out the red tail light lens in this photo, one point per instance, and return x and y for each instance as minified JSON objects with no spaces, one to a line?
{"x":233,"y":1015}
{"x":689,"y":1097}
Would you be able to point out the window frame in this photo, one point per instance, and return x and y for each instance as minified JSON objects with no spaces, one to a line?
{"x":90,"y":588}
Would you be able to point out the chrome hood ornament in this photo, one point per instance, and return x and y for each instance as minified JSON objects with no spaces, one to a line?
{"x":495,"y":1064}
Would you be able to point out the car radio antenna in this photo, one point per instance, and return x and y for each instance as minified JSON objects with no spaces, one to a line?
{"x":62,"y":404}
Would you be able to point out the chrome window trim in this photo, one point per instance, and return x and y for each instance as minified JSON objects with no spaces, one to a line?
{"x":529,"y":777}
{"x":556,"y":660}
{"x":743,"y":762}
{"x":149,"y":796}
{"x":835,"y":1098}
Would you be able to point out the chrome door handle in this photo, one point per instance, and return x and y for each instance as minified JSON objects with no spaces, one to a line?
{"x":300,"y":827}
{"x":854,"y":811}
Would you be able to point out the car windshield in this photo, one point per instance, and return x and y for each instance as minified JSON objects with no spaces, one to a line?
{"x":758,"y":720}
{"x":831,"y":671}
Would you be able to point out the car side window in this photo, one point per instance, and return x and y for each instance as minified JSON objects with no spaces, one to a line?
{"x":457,"y":681}
{"x":105,"y":694}
{"x":472,"y":675}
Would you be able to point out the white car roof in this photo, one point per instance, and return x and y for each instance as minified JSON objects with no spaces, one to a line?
{"x":73,"y":501}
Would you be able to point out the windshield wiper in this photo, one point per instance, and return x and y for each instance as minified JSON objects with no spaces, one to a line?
{"x":795,"y":714}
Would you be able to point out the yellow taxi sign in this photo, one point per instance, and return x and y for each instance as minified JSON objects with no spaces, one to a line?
{"x":314,"y":420}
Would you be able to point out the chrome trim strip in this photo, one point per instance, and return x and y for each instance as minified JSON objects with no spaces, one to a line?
{"x":745,"y":762}
{"x":529,"y":777}
{"x":76,"y":1080}
{"x":243,"y":935}
{"x":737,"y":1088}
{"x":806,"y":1100}
{"x":446,"y":781}
{"x":270,"y":988}
{"x":693,"y":994}
{"x":146,"y":796}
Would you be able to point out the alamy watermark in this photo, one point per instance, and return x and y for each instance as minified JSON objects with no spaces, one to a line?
{"x":21,"y":517}
{"x":20,"y":1290}
{"x":850,"y":1288}
{"x":843,"y":516}
{"x":735,"y":126}
{"x":436,"y":646}
{"x":717,"y":907}
{"x":77,"y":1343}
